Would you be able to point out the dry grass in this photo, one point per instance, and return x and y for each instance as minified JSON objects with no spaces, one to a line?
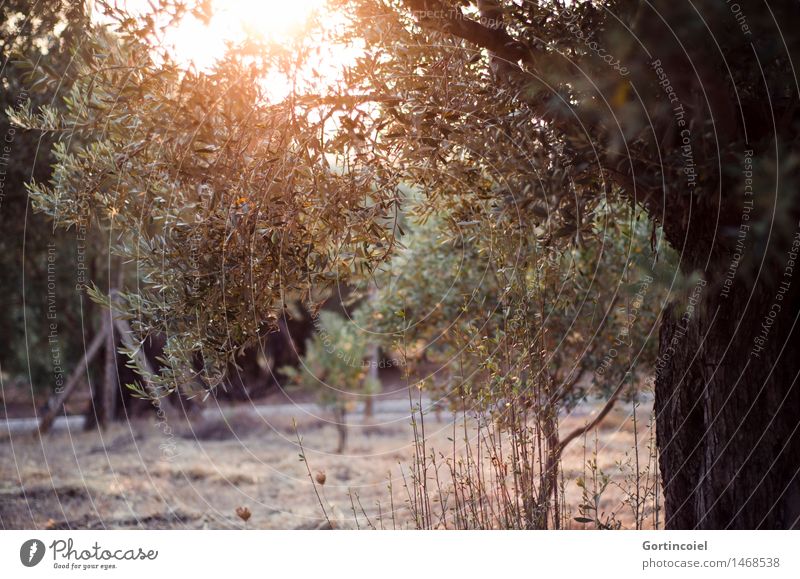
{"x":121,"y":478}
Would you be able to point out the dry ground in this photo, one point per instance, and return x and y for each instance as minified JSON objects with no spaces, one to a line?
{"x":141,"y":475}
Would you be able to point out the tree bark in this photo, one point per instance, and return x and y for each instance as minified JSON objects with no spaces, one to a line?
{"x":727,"y":412}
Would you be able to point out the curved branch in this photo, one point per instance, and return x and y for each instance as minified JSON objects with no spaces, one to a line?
{"x":578,"y":432}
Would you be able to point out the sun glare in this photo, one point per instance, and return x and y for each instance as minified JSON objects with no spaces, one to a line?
{"x":193,"y":41}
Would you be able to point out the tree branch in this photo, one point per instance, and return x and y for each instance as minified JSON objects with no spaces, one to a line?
{"x":578,"y":432}
{"x":438,"y":15}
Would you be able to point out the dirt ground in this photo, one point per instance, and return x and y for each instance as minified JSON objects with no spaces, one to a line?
{"x":147,"y":474}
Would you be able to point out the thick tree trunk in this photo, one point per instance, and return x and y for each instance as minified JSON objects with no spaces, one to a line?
{"x":728,"y":408}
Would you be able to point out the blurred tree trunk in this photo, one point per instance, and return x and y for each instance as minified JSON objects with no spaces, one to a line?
{"x":80,"y":372}
{"x":340,"y":415}
{"x":373,"y":358}
{"x":110,"y":372}
{"x":110,"y":377}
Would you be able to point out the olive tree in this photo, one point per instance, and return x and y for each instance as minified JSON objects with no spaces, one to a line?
{"x":532,"y":115}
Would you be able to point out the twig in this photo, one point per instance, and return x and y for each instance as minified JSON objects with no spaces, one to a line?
{"x":308,"y":469}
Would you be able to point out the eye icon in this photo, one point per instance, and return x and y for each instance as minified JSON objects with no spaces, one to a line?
{"x":31,"y":553}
